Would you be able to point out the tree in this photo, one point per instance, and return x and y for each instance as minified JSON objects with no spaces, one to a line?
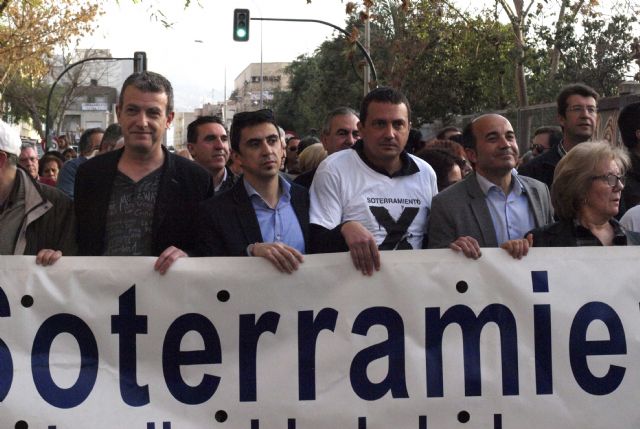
{"x":30,"y":32}
{"x":598,"y":54}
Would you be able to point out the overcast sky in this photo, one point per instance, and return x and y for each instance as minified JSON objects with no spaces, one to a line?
{"x":197,"y":69}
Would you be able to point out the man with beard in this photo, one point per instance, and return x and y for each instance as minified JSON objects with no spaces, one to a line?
{"x":577,"y":114}
{"x":493,"y":204}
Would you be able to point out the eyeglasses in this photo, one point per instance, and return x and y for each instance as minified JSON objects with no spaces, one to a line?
{"x":592,"y":110}
{"x":611,"y":179}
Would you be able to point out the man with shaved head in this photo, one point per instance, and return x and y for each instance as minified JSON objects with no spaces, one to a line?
{"x":493,"y":204}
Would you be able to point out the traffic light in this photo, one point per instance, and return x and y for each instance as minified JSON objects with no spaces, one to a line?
{"x":241,"y":25}
{"x":139,"y":62}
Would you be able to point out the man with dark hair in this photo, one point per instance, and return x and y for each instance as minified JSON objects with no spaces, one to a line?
{"x":577,"y":114}
{"x":493,"y":204}
{"x":89,"y":143}
{"x":629,"y":125}
{"x":35,"y":219}
{"x":112,"y":135}
{"x":375,"y":196}
{"x":339,"y":132}
{"x":141,"y":200}
{"x":262,"y":215}
{"x":208,"y":145}
{"x":544,"y":138}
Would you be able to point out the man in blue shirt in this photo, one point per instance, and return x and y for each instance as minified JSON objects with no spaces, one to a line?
{"x":262,"y":215}
{"x":89,"y":143}
{"x":493,"y":204}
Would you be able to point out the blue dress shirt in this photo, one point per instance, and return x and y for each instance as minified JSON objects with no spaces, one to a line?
{"x":279,"y":224}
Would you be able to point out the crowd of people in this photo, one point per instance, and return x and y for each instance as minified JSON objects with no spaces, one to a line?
{"x":369,"y":183}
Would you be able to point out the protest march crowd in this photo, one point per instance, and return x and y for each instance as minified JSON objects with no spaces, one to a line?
{"x":370,"y":183}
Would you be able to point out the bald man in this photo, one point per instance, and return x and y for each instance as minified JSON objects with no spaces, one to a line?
{"x":493,"y":204}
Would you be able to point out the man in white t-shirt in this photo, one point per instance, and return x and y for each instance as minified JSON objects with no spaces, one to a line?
{"x":374,"y":196}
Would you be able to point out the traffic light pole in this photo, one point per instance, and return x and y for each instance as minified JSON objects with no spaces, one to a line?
{"x":374,"y":75}
{"x":46,"y":125}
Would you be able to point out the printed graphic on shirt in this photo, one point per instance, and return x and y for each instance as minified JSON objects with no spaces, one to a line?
{"x":397,"y":231}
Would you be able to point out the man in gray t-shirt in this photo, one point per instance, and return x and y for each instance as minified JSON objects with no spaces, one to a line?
{"x":141,"y":199}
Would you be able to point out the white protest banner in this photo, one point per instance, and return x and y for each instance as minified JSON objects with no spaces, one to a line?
{"x":432,"y":341}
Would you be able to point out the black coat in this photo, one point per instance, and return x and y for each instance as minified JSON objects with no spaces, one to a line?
{"x":228,"y":223}
{"x":183,"y":185}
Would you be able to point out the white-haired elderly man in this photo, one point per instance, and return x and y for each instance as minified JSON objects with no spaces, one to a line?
{"x":35,"y":219}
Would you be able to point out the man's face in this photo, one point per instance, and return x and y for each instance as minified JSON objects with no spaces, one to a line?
{"x":28,"y":159}
{"x":540,"y":144}
{"x":211,"y":149}
{"x":579,"y":120}
{"x":292,"y":153}
{"x":260,"y":151}
{"x":385,"y":132}
{"x":144,"y":120}
{"x":496,"y":151}
{"x":343,"y":133}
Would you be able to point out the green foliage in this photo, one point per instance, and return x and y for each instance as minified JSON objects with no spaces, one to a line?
{"x":318,"y":84}
{"x":594,"y":50}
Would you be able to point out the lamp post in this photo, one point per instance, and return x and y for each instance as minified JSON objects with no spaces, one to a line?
{"x":139,"y":62}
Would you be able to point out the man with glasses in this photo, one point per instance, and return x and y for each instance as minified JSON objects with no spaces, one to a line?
{"x":339,"y":132}
{"x":208,"y":144}
{"x":263,"y":214}
{"x":577,"y":115}
{"x":291,"y":165}
{"x":35,"y":219}
{"x":544,"y":138}
{"x":28,"y":159}
{"x":375,"y":196}
{"x":140,"y":200}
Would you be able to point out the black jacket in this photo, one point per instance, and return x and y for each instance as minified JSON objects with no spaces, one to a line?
{"x":228,"y":223}
{"x":183,"y":185}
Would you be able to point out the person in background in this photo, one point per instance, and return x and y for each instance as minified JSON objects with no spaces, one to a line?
{"x":28,"y":159}
{"x":310,"y":158}
{"x":49,"y":167}
{"x":447,"y":133}
{"x":577,"y":114}
{"x":291,"y":167}
{"x":629,"y":125}
{"x":454,"y":148}
{"x":544,"y":138}
{"x":69,"y":154}
{"x":339,"y":132}
{"x":448,"y":168}
{"x":208,"y":144}
{"x":89,"y":144}
{"x":112,"y":135}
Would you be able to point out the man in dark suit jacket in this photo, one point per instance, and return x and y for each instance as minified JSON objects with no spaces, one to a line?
{"x":262,"y":215}
{"x":493,"y":204}
{"x":141,"y":199}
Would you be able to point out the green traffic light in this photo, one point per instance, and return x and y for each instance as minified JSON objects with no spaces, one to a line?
{"x":241,"y":25}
